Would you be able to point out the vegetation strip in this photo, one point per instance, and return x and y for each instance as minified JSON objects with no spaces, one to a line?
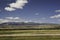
{"x":31,"y":35}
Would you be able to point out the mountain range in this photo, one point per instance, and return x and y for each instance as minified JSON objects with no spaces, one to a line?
{"x":28,"y":25}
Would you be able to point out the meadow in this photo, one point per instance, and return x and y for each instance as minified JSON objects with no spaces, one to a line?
{"x":41,"y":37}
{"x":31,"y":38}
{"x":30,"y":31}
{"x":7,"y":32}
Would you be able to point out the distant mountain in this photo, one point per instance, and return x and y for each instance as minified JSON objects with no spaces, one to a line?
{"x":19,"y":23}
{"x":28,"y":25}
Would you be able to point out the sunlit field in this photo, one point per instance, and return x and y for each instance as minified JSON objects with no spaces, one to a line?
{"x":31,"y":38}
{"x":30,"y":31}
{"x":40,"y":37}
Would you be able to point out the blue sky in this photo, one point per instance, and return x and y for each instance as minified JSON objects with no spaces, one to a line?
{"x":42,"y":11}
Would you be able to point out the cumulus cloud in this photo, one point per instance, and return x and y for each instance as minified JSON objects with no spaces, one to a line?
{"x":9,"y":9}
{"x":15,"y":19}
{"x":3,"y":20}
{"x":11,"y":19}
{"x":19,"y":4}
{"x":55,"y":16}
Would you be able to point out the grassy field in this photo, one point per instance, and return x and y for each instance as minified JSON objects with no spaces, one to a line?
{"x":31,"y":38}
{"x":42,"y":37}
{"x":30,"y":31}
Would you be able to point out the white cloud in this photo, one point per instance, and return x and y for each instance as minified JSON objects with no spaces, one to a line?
{"x":9,"y":18}
{"x":3,"y":20}
{"x":9,"y":9}
{"x":55,"y":16}
{"x":37,"y":14}
{"x":12,"y":18}
{"x":57,"y":10}
{"x":19,"y":4}
{"x":16,"y":18}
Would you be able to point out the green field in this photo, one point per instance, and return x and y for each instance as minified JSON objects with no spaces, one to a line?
{"x":41,"y":37}
{"x":30,"y":31}
{"x":31,"y":38}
